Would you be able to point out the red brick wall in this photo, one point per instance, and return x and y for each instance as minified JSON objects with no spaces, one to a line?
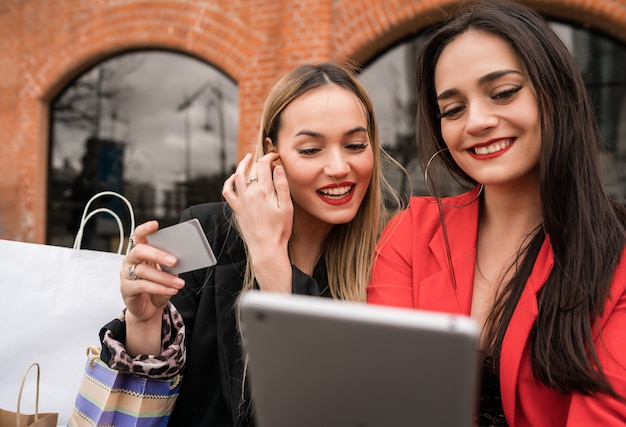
{"x":45,"y":44}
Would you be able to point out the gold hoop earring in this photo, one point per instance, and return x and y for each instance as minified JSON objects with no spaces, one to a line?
{"x":480,"y":191}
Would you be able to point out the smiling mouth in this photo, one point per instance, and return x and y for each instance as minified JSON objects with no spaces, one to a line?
{"x":493,"y":148}
{"x":337,"y":192}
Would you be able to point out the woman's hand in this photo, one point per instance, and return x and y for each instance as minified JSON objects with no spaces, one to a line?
{"x":146,"y":289}
{"x":259,"y":196}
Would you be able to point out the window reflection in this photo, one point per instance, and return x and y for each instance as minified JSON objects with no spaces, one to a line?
{"x":158,"y":127}
{"x":602,"y":60}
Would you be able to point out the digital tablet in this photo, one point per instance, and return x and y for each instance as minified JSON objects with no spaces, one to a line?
{"x":316,"y":362}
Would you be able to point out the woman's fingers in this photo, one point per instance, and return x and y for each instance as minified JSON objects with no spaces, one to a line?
{"x":144,"y":286}
{"x":229,"y":189}
{"x":141,"y":268}
{"x":282,"y":188}
{"x":143,"y":252}
{"x":141,"y":231}
{"x":249,"y":175}
{"x":241,"y":173}
{"x":264,"y":169}
{"x":153,"y":279}
{"x":252,"y":192}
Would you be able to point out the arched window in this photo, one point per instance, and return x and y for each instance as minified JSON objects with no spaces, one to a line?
{"x":158,"y":127}
{"x":601,"y":59}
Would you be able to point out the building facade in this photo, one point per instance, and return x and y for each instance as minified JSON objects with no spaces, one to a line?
{"x":45,"y":44}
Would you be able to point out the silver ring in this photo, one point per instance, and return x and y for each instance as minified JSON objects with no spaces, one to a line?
{"x":131,"y":272}
{"x":252,"y":178}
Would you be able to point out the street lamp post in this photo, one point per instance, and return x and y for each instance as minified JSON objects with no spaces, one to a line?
{"x":217,"y":102}
{"x":185,"y":106}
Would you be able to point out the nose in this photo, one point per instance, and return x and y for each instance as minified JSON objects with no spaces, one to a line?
{"x":337,"y":164}
{"x":480,"y":117}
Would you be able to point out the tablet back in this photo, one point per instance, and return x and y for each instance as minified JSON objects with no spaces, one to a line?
{"x":316,"y":362}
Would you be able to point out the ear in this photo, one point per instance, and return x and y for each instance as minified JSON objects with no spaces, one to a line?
{"x":268,"y":146}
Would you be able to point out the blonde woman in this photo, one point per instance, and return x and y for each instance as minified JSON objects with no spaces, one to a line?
{"x":302,"y":215}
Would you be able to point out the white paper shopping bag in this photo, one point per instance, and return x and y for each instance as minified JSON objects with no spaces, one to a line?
{"x":54,"y":302}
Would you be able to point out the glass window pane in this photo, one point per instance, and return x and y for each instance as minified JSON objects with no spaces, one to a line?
{"x":158,"y":127}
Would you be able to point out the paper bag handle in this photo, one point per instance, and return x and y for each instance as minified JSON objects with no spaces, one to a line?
{"x":81,"y":228}
{"x":19,"y":396}
{"x":86,"y":217}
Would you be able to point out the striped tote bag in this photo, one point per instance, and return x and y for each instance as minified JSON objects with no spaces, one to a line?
{"x":107,"y":397}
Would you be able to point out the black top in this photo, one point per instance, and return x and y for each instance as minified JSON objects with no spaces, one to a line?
{"x":211,"y":389}
{"x":490,"y":412}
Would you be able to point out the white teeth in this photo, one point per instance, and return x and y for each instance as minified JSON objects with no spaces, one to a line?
{"x":493,"y":147}
{"x":337,"y":191}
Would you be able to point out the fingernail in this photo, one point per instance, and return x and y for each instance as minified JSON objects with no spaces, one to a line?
{"x":170,"y":260}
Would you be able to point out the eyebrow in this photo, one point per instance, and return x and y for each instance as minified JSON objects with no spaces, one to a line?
{"x":487,"y":78}
{"x":318,"y":135}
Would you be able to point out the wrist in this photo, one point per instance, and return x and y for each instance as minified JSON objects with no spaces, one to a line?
{"x":144,"y":336}
{"x":273,"y":274}
{"x":148,"y":323}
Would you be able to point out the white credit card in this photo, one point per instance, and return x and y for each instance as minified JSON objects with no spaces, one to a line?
{"x":187,"y":242}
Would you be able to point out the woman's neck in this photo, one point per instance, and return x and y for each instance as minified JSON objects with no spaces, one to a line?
{"x":515,"y":210}
{"x":305,"y":245}
{"x":507,"y":221}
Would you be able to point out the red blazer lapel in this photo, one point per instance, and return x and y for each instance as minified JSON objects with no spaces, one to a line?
{"x":518,"y":331}
{"x":437,"y":291}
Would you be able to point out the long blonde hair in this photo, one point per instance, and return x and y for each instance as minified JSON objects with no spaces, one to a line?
{"x":348,"y":248}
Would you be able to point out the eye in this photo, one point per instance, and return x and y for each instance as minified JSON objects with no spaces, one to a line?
{"x":451,"y":112}
{"x":308,"y":151}
{"x":506,"y":94}
{"x":356,"y":146}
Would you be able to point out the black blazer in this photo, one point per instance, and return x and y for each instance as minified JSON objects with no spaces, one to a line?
{"x":211,"y":389}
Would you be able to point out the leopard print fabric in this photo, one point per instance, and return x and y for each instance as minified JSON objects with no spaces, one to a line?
{"x":166,"y":365}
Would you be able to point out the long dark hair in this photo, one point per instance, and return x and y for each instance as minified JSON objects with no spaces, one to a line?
{"x":585,"y":227}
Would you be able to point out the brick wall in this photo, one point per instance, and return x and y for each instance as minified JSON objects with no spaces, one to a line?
{"x":45,"y":44}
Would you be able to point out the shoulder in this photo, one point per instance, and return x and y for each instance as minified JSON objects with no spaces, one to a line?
{"x":421,"y":216}
{"x":215,"y":211}
{"x":425,"y":208}
{"x":424,"y":217}
{"x":429,"y":203}
{"x":216,"y":219}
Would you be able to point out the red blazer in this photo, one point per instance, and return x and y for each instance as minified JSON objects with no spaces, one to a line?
{"x":410,"y":270}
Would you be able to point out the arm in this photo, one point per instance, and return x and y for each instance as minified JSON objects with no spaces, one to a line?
{"x":161,"y":340}
{"x":146,"y":297}
{"x":391,"y":281}
{"x":135,"y":342}
{"x":166,"y":364}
